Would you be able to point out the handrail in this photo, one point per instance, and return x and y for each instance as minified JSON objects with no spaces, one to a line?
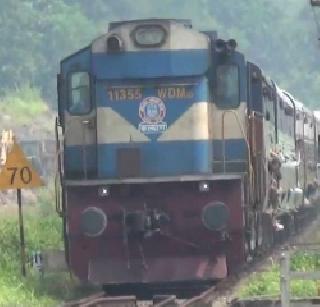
{"x":58,"y":195}
{"x":85,"y":124}
{"x":58,"y":175}
{"x":235,"y":114}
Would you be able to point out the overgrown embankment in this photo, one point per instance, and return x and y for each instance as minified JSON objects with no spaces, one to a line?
{"x":26,"y":113}
{"x":268,"y":283}
{"x":42,"y":231}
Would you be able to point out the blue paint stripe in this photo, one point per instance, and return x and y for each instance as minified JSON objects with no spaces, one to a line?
{"x":157,"y":159}
{"x":74,"y":158}
{"x":235,"y":149}
{"x":149,"y":64}
{"x":161,"y":159}
{"x":77,"y":61}
{"x":170,"y":158}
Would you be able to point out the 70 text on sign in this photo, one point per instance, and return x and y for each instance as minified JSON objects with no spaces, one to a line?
{"x":24,"y":173}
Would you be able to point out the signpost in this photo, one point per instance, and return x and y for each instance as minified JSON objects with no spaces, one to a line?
{"x":18,"y":173}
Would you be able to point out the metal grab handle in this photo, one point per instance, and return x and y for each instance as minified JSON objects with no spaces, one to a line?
{"x":58,"y":148}
{"x":58,"y":176}
{"x":57,"y":185}
{"x":235,"y":114}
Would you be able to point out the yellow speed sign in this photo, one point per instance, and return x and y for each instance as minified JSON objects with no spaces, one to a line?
{"x":18,"y":173}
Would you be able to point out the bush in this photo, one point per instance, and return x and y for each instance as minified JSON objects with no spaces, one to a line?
{"x":23,"y":104}
{"x":268,"y":283}
{"x":42,"y":231}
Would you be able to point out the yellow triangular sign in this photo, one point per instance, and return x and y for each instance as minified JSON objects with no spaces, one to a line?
{"x":18,"y":173}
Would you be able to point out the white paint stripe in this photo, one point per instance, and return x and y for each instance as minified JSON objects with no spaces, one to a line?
{"x":231,"y":126}
{"x":191,"y":125}
{"x":202,"y":121}
{"x":80,"y":130}
{"x":113,"y":128}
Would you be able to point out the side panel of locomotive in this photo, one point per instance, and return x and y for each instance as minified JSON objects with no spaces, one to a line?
{"x":282,"y":155}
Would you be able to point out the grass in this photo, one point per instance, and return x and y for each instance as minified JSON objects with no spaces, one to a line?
{"x":267,"y":283}
{"x":23,"y":104}
{"x":42,"y":231}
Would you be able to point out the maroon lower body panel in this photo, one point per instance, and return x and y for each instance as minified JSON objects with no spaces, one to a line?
{"x":157,"y":270}
{"x":156,"y":232}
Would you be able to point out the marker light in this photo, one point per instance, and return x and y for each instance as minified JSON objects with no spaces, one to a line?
{"x":104,"y":191}
{"x":204,"y":186}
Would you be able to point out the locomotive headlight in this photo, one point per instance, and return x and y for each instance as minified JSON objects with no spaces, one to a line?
{"x":204,"y":186}
{"x":93,"y":222}
{"x":220,"y":45}
{"x":231,"y":44}
{"x":104,"y":191}
{"x":215,"y":216}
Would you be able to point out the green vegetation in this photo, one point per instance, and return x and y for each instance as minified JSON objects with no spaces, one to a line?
{"x":42,"y":231}
{"x":267,"y":283}
{"x":279,"y":35}
{"x":23,"y":104}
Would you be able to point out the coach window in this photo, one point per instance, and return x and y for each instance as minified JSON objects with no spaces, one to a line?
{"x":227,"y":90}
{"x":79,"y":99}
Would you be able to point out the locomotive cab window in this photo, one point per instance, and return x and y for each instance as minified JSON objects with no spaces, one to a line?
{"x":227,"y":90}
{"x":79,"y":96}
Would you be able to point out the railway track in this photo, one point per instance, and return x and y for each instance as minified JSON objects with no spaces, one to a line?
{"x":101,"y":299}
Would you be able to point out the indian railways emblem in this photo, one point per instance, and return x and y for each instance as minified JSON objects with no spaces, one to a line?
{"x":152,"y":111}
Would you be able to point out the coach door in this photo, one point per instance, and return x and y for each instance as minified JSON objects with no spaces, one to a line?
{"x":256,"y":131}
{"x":257,"y":155}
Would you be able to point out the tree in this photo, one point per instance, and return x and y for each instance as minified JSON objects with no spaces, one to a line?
{"x":278,"y":35}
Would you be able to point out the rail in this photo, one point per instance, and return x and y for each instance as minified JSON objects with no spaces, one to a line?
{"x":101,"y":299}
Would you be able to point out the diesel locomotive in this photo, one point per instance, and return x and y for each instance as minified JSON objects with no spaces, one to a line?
{"x":179,"y":159}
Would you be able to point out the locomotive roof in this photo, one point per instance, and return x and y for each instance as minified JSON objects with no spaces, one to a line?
{"x":186,"y":22}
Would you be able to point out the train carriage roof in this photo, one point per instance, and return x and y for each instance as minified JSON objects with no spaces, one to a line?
{"x":300,"y":107}
{"x":286,"y":98}
{"x":317,"y":115}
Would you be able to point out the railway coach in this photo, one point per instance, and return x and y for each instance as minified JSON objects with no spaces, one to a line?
{"x":180,"y":158}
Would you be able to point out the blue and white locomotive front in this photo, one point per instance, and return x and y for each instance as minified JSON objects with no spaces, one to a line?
{"x":144,"y":109}
{"x":151,"y":104}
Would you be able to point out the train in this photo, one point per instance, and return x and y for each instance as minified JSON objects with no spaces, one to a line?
{"x":178,"y":159}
